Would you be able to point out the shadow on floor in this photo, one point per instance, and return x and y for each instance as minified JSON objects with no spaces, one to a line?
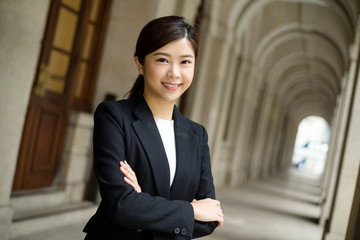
{"x":285,"y":207}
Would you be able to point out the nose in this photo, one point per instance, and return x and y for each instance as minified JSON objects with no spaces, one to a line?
{"x":174,"y":71}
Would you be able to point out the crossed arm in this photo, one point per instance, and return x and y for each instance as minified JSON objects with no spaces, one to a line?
{"x":205,"y":210}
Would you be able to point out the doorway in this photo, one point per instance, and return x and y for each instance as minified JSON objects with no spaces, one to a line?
{"x":64,"y":81}
{"x":311,"y":145}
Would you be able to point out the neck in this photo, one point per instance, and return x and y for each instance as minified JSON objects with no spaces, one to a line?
{"x":160,"y":109}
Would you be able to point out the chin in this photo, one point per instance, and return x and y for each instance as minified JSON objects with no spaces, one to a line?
{"x":171,"y":99}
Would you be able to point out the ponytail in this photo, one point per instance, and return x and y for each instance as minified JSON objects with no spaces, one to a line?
{"x":137,"y":89}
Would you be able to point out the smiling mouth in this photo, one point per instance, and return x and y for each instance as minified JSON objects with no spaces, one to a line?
{"x":171,"y":86}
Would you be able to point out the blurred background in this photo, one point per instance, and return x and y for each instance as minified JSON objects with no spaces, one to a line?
{"x":276,"y":86}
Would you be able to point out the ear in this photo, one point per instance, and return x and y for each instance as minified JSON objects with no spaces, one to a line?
{"x":139,"y":66}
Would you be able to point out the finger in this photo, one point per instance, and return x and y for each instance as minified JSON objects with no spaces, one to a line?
{"x":134,"y":185}
{"x":129,"y":182}
{"x":129,"y":168}
{"x":126,"y":173}
{"x":122,"y":164}
{"x":220,"y":222}
{"x":130,"y":175}
{"x":123,"y":170}
{"x":126,"y":166}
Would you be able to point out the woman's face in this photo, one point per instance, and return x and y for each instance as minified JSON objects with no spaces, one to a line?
{"x":168,"y":71}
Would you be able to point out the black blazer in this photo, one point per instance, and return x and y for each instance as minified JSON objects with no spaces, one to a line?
{"x":126,"y":130}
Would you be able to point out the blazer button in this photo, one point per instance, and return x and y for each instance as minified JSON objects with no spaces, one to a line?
{"x":183,"y":231}
{"x":139,"y":230}
{"x":177,"y":230}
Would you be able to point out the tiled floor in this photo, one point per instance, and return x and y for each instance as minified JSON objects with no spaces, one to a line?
{"x":275,"y":209}
{"x":278,"y":208}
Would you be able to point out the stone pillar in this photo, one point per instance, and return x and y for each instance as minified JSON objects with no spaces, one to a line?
{"x":77,"y":163}
{"x":21,"y":27}
{"x":270,"y":139}
{"x":336,"y":144}
{"x":273,"y":147}
{"x":187,"y":8}
{"x":209,"y":97}
{"x":344,"y":216}
{"x":289,"y":140}
{"x":244,"y":117}
{"x":264,"y":107}
{"x":225,"y":125}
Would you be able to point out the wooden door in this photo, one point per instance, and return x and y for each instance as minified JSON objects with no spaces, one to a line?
{"x":66,"y":71}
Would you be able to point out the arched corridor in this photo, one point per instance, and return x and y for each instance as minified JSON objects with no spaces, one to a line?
{"x":264,"y":66}
{"x":271,"y":65}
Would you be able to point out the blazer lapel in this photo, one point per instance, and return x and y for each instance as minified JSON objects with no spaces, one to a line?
{"x":146,"y":129}
{"x":185,"y":157}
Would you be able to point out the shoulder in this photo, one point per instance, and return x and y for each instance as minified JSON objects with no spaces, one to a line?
{"x":116,"y":107}
{"x":117,"y":110}
{"x":190,"y":126}
{"x":198,"y":128}
{"x":120,"y":105}
{"x":194,"y":125}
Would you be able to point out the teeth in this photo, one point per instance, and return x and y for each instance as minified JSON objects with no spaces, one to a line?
{"x":171,"y":85}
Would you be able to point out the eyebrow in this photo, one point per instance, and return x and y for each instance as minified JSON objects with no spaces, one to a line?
{"x":169,"y":55}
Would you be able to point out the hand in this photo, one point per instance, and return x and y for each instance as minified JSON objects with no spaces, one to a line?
{"x":208,"y":210}
{"x":130,"y":176}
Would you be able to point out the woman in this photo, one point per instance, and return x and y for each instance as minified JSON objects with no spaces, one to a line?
{"x":164,"y":188}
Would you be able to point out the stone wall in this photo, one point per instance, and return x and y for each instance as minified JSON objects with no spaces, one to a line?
{"x":21,"y":27}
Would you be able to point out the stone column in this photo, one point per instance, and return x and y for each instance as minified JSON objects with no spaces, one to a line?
{"x":186,"y":8}
{"x":270,"y":139}
{"x":346,"y":205}
{"x":21,"y":27}
{"x":77,"y":163}
{"x":336,"y":144}
{"x":243,"y":117}
{"x":289,"y":140}
{"x":265,"y":107}
{"x":225,"y":125}
{"x":273,"y":147}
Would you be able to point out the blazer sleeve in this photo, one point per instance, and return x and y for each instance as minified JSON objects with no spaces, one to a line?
{"x":122,"y":204}
{"x":206,"y":189}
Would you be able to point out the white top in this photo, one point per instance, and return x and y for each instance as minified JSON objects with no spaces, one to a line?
{"x":167,"y":133}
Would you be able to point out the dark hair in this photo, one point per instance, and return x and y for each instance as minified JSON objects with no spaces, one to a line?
{"x":156,"y":34}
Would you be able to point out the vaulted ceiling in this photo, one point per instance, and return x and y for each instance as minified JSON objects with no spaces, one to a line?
{"x":301,"y":48}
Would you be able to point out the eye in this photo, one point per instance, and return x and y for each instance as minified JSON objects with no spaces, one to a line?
{"x":186,"y":62}
{"x":163,"y":60}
